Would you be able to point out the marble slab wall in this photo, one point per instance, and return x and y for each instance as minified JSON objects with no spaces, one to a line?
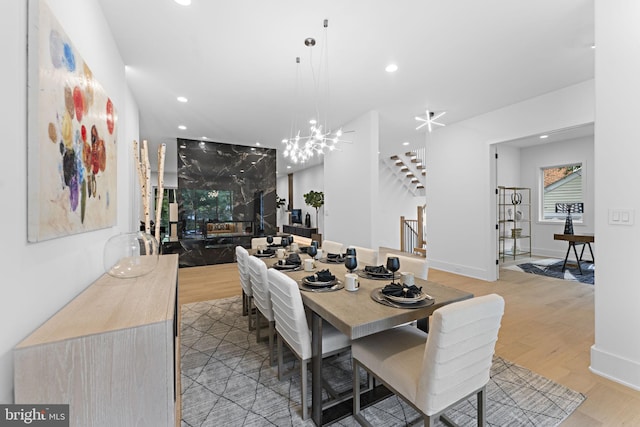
{"x":248,"y":172}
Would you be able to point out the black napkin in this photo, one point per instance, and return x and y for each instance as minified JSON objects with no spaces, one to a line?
{"x":334,"y":257}
{"x":398,"y":290}
{"x":267,"y":252}
{"x":322,"y":276}
{"x":378,"y":269}
{"x":294,"y":259}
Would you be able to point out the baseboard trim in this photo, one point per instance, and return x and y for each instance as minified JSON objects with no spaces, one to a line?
{"x":475,"y":273}
{"x":615,"y":368}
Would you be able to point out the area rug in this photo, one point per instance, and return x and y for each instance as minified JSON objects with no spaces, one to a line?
{"x":227,"y":381}
{"x":552,"y":267}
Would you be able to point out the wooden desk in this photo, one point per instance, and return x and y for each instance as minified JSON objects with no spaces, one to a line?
{"x":576,"y":239}
{"x":356,"y":315}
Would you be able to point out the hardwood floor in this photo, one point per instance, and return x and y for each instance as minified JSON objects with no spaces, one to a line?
{"x":548,"y":327}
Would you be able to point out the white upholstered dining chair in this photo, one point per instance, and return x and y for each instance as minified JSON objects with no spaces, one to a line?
{"x":292,"y":328}
{"x":262,"y":301}
{"x":366,"y":256}
{"x":242,"y":256}
{"x":436,"y":371}
{"x":416,"y":265}
{"x":331,"y":247}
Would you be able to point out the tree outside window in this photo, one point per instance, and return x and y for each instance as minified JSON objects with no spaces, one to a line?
{"x":203,"y":206}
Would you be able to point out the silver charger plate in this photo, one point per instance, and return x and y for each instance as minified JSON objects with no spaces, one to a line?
{"x":318,"y":284}
{"x":332,"y":260}
{"x":374,"y":276}
{"x":379,"y":297}
{"x":265,"y":255}
{"x":336,"y":287}
{"x":403,"y":300}
{"x":287,"y":267}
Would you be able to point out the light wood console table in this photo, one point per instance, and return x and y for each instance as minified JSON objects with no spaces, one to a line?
{"x":110,"y":353}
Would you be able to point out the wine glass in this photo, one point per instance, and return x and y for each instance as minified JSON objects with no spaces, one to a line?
{"x":269,"y":240}
{"x":393,"y":265}
{"x":314,"y":243}
{"x":351,"y":251}
{"x":351,"y":262}
{"x":312,"y":251}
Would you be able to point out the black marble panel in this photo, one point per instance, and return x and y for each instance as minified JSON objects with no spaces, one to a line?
{"x":249,"y":173}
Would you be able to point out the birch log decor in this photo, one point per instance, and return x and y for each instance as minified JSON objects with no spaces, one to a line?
{"x":160,"y":194}
{"x":141,"y":157}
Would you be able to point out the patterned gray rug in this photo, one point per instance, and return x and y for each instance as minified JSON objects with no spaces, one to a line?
{"x":552,"y":267}
{"x":227,"y":381}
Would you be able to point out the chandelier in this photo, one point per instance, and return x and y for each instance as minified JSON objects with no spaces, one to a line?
{"x":430,"y":120}
{"x":303,"y":144}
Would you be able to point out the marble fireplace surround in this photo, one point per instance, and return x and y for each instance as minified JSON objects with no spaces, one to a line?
{"x":250,"y":173}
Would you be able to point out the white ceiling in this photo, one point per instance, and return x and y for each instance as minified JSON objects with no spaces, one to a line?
{"x":235,"y":62}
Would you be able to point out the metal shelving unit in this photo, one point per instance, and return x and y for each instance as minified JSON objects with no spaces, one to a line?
{"x":514,"y":222}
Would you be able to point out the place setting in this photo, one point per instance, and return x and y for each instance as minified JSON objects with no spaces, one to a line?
{"x":291,"y":263}
{"x":265,"y":252}
{"x":403,"y":294}
{"x":321,"y":281}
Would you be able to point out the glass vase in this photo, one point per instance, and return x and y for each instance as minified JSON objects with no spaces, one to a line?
{"x":129,"y":255}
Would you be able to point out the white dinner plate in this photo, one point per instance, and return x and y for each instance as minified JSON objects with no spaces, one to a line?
{"x":420,"y":297}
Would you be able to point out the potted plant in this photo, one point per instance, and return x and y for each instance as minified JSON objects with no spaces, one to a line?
{"x":280,"y":202}
{"x":314,"y":199}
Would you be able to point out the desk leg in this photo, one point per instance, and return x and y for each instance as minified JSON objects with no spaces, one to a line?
{"x":316,"y":368}
{"x":575,"y":251}
{"x":564,"y":265}
{"x":593,"y":260}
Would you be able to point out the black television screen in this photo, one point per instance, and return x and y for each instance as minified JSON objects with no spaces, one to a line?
{"x":296,"y":216}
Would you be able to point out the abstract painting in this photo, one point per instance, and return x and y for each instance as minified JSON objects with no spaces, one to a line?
{"x":72,"y":150}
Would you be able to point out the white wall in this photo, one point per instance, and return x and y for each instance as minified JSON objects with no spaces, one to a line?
{"x":461,"y":200}
{"x":508,"y":168}
{"x":616,"y":352}
{"x":351,"y":185}
{"x":553,"y":154}
{"x":282,"y":190}
{"x":40,"y":278}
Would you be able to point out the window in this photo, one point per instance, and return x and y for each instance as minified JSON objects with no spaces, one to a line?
{"x":561,"y":185}
{"x":203,"y":206}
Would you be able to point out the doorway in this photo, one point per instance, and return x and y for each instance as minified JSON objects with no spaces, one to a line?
{"x":519,"y":162}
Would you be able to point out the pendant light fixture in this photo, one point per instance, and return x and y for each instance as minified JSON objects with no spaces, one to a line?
{"x":430,"y":120}
{"x":303,"y":144}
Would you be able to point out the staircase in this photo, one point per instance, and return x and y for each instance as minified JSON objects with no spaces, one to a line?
{"x":409,"y":169}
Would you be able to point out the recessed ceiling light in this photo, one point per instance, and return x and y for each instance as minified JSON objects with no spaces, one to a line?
{"x":182,"y":99}
{"x":391,"y":68}
{"x":253,"y":149}
{"x":405,"y":143}
{"x":544,"y":136}
{"x":288,"y":167}
{"x":257,"y":143}
{"x":183,"y":2}
{"x":182,"y":127}
{"x":253,"y":163}
{"x":241,"y":170}
{"x":204,"y":137}
{"x":593,"y":46}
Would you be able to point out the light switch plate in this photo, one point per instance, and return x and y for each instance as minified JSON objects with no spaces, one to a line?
{"x":621,"y":216}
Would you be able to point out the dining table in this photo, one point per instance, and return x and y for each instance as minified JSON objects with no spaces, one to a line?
{"x":358,"y":314}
